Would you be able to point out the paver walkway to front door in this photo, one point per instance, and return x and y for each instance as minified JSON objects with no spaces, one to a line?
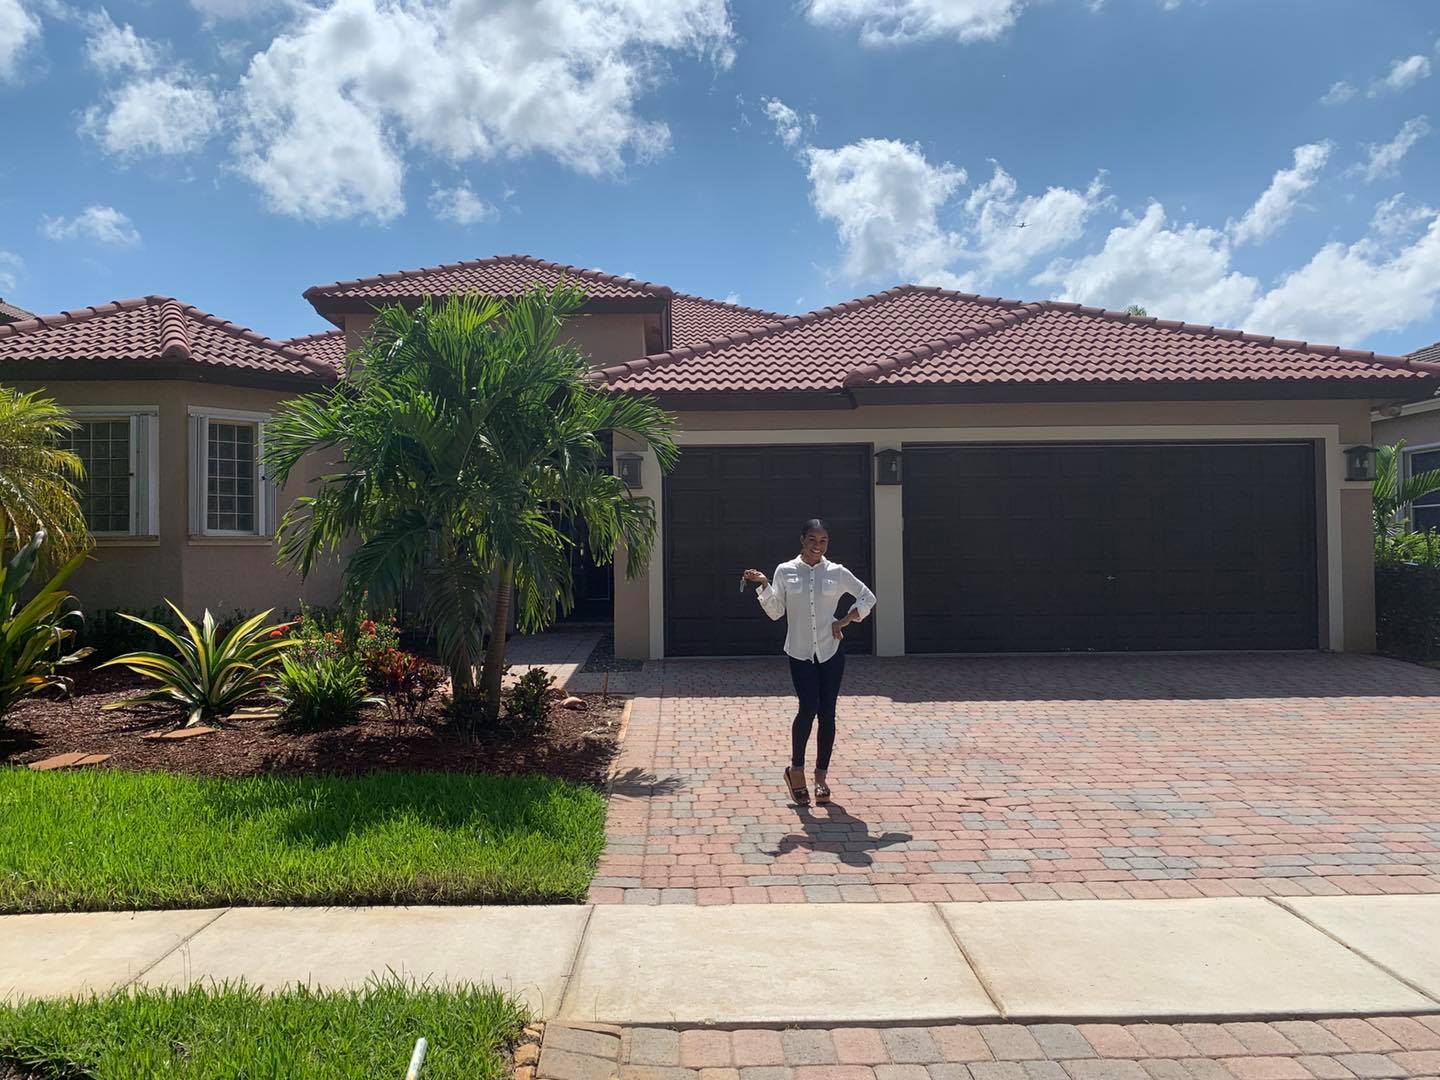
{"x":1035,"y":778}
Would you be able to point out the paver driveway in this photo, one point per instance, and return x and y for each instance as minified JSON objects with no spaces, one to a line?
{"x":1035,"y":778}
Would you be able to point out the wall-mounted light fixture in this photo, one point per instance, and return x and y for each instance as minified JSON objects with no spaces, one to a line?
{"x":1360,"y":464}
{"x":887,"y":467}
{"x":628,"y":466}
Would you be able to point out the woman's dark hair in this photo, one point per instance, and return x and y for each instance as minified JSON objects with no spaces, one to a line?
{"x":813,"y":525}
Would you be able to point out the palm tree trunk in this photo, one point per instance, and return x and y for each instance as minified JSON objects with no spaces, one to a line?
{"x":495,"y":652}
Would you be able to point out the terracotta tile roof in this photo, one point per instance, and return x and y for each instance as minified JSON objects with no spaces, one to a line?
{"x":695,"y":320}
{"x":918,"y":335}
{"x":328,"y":347}
{"x":116,"y":338}
{"x":1428,"y":355}
{"x":10,"y":313}
{"x":499,"y":275}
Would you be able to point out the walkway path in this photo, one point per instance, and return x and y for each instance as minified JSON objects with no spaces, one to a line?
{"x":1035,"y":778}
{"x":848,"y":964}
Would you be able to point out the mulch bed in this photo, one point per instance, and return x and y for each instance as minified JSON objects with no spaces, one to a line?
{"x":577,"y":744}
{"x":603,"y":658}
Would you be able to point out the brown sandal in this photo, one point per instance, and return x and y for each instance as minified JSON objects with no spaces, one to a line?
{"x":795,"y":785}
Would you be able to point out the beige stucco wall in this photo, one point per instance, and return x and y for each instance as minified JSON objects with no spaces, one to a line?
{"x":1343,"y":520}
{"x":194,"y":572}
{"x":1417,"y":429}
{"x":608,"y":339}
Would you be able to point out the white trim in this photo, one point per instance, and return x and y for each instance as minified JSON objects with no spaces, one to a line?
{"x":201,"y":417}
{"x":1408,"y":409}
{"x":1330,"y":460}
{"x":144,"y":462}
{"x":228,"y":414}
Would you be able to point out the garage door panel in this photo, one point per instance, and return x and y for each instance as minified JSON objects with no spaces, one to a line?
{"x":729,"y":508}
{"x":1110,"y":547}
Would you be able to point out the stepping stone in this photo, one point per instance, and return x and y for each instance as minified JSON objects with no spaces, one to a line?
{"x":68,"y":761}
{"x":181,"y":733}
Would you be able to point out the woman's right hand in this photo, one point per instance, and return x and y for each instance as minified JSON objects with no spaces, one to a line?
{"x":756,"y":577}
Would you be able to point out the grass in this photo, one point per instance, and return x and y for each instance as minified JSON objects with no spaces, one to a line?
{"x":109,"y":840}
{"x":229,"y":1032}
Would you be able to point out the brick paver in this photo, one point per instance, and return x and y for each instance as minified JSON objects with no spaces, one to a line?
{"x":1022,"y":778}
{"x":1036,"y":1052}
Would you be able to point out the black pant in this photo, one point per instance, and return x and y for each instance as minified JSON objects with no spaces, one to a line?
{"x":817,"y":686}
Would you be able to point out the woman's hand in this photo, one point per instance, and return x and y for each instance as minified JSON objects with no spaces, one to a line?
{"x":757,"y":578}
{"x":837,"y":628}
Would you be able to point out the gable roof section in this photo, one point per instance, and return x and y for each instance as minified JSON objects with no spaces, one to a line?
{"x":928,"y":336}
{"x":150,"y":334}
{"x":10,"y":313}
{"x":328,"y":347}
{"x":1428,"y":355}
{"x":694,"y":320}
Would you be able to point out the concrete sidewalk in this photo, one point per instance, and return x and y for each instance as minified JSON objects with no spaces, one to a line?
{"x":790,"y":964}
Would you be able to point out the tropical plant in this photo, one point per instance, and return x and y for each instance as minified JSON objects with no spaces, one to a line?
{"x":321,"y":692}
{"x":527,"y":701}
{"x":35,"y":634}
{"x":1392,"y":494}
{"x":468,"y":431}
{"x":210,"y":673}
{"x":407,"y":684}
{"x":38,"y":477}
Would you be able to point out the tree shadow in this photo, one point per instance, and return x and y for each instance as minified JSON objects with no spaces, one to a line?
{"x":638,"y":784}
{"x":832,"y":828}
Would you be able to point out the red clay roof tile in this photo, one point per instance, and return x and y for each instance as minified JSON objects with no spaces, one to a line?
{"x":1428,"y":355}
{"x":498,"y":275}
{"x":919,"y":335}
{"x":327,"y":347}
{"x":695,"y":320}
{"x":151,"y":330}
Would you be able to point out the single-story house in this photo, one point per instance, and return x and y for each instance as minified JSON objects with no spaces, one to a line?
{"x":1418,"y":424}
{"x":1007,"y":476}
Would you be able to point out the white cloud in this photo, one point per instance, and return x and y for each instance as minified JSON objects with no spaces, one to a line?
{"x":1403,"y":74}
{"x":330,"y":110}
{"x":1173,"y":271}
{"x":732,"y":298}
{"x":235,"y":9}
{"x":1384,"y":158}
{"x":790,"y":126}
{"x":10,"y":267}
{"x":112,"y":49}
{"x":1276,"y":204}
{"x":893,"y":22}
{"x":1347,"y":292}
{"x":885,"y":200}
{"x":461,"y":205}
{"x":103,"y":224}
{"x":1339,"y":93}
{"x":19,"y":30}
{"x":156,"y":115}
{"x":1398,"y":216}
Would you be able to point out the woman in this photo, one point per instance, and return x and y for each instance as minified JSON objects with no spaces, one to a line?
{"x":805,"y":592}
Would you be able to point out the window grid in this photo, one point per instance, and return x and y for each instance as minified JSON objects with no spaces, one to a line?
{"x":230,"y":504}
{"x":104,"y":447}
{"x":1425,"y":512}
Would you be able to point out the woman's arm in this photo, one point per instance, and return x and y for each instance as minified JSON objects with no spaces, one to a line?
{"x":772,"y":600}
{"x":864,"y":598}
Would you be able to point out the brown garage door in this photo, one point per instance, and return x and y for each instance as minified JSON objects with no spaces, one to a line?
{"x":727,"y":508}
{"x":1042,"y":548}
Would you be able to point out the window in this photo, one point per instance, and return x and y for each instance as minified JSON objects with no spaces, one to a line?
{"x":229,"y":494}
{"x":118,"y":451}
{"x":1425,"y":513}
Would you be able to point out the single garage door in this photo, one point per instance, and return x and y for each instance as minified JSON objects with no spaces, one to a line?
{"x":728,"y":508}
{"x":1050,"y":548}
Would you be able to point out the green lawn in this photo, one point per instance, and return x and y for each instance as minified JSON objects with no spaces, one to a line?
{"x":236,"y":1032}
{"x":113,"y":840}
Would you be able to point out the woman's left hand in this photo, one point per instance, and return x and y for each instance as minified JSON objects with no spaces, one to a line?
{"x":837,"y":629}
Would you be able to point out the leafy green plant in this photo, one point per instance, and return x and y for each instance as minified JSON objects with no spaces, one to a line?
{"x":210,"y":674}
{"x":407,"y":683}
{"x":34,"y":635}
{"x":527,"y":702}
{"x":323,"y":691}
{"x":39,"y":477}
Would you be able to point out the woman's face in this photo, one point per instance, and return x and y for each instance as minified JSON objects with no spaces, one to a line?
{"x":815,"y":543}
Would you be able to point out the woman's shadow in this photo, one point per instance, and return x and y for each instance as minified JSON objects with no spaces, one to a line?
{"x":831,"y":828}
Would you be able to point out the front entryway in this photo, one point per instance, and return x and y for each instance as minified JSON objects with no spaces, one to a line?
{"x":1110,"y":547}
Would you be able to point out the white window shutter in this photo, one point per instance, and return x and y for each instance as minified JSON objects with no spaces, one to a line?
{"x":197,"y":474}
{"x":142,"y":465}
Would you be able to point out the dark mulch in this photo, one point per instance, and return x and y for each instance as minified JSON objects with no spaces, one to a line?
{"x":603,"y":658}
{"x":576,"y":745}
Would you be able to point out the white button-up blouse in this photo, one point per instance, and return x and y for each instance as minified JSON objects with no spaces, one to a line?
{"x":805,"y":596}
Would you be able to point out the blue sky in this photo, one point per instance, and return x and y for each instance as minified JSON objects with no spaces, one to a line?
{"x":1262,"y":163}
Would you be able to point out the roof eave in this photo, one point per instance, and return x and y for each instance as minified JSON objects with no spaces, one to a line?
{"x":79,"y":370}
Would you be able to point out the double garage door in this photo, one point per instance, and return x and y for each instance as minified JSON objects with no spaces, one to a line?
{"x":1014,"y":548}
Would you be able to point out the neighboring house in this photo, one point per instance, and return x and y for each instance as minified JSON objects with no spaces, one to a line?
{"x":1418,"y":423}
{"x":10,"y":313}
{"x":1009,"y":477}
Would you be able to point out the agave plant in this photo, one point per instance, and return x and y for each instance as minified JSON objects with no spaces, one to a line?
{"x":209,"y":675}
{"x":34,"y":635}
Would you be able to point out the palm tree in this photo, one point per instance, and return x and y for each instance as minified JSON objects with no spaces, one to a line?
{"x":38,"y":477}
{"x":1391,"y":493}
{"x":467,"y":431}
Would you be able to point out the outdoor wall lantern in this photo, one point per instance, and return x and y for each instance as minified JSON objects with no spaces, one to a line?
{"x":1360,"y":464}
{"x":887,"y":467}
{"x":629,"y":465}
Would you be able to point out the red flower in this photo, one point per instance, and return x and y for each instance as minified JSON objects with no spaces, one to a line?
{"x":277,"y":632}
{"x":367,"y":627}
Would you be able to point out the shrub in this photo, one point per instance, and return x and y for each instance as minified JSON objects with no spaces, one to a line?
{"x":108,"y":633}
{"x":1407,"y":610}
{"x":526,"y":702}
{"x":407,"y":683}
{"x":323,"y":632}
{"x":34,"y":635}
{"x":321,"y":692}
{"x":210,"y":674}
